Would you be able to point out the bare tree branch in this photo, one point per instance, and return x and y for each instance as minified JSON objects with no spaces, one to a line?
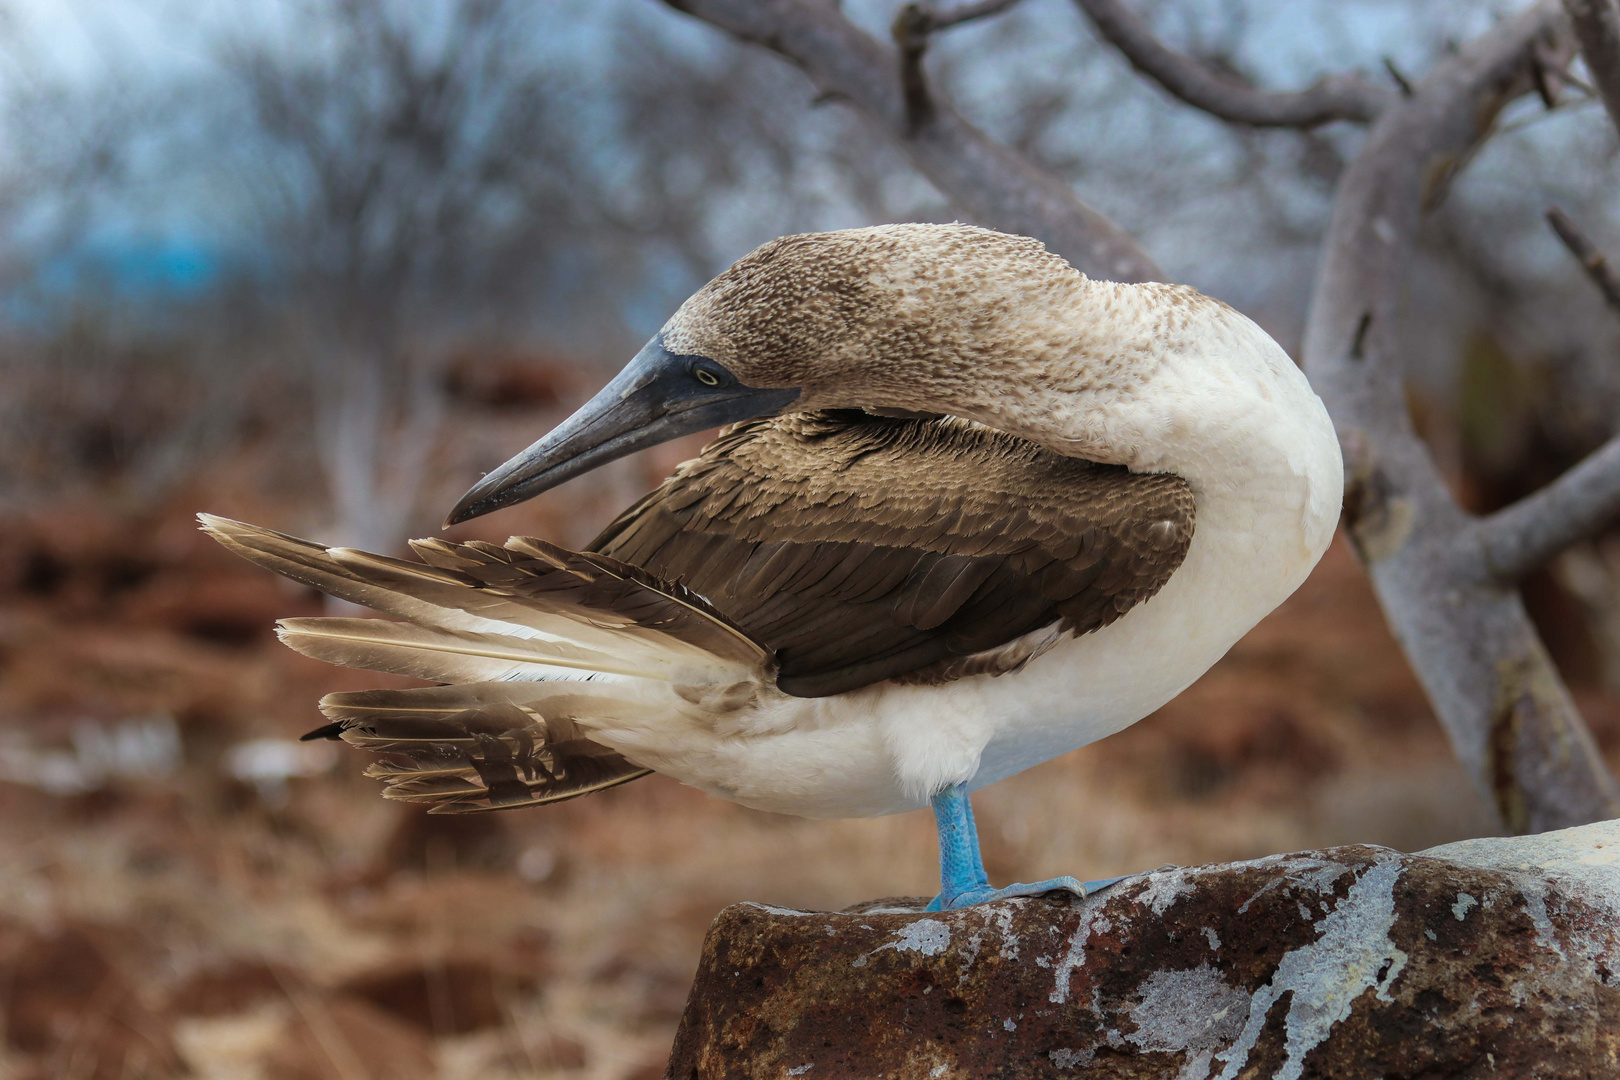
{"x":1592,"y":260}
{"x":911,"y":31}
{"x":1520,"y":538}
{"x":1509,"y":717}
{"x":1337,"y":97}
{"x":1597,"y":27}
{"x":989,"y":182}
{"x":1523,"y":537}
{"x":944,"y":20}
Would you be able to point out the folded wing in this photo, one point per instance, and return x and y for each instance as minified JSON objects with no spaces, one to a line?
{"x":862,"y":548}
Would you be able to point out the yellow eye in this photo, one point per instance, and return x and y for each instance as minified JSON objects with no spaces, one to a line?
{"x":707,"y":378}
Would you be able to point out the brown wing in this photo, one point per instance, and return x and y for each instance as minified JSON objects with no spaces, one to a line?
{"x":865,"y":548}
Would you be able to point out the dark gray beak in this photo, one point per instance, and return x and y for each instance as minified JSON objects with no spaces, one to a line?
{"x":657,"y":397}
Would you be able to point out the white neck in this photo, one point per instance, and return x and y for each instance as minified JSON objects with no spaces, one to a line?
{"x":1162,"y":379}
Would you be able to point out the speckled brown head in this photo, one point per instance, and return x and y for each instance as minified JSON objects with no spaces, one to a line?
{"x":858,"y":317}
{"x":887,"y":317}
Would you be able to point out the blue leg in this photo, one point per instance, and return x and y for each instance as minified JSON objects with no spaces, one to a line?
{"x":962,"y":880}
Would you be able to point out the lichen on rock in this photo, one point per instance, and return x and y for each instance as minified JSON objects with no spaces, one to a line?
{"x":1492,"y":957}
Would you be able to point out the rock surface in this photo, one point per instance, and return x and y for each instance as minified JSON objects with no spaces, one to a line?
{"x":1486,"y":958}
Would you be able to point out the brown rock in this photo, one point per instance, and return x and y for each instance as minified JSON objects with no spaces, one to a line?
{"x":1490,"y":958}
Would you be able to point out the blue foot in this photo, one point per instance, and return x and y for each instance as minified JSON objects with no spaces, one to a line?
{"x":962,"y":879}
{"x":985,"y":894}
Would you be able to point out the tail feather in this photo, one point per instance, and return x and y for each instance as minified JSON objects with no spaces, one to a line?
{"x":443,"y":655}
{"x":522,"y":633}
{"x":535,"y":590}
{"x":406,"y":720}
{"x":488,"y":746}
{"x":493,"y":781}
{"x":599,"y":589}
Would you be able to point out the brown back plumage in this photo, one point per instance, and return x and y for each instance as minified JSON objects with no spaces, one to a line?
{"x":861,"y":548}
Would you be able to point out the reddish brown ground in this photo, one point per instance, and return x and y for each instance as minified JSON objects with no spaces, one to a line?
{"x":186,"y":919}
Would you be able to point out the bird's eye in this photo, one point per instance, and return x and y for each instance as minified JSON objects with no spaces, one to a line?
{"x":706,"y":377}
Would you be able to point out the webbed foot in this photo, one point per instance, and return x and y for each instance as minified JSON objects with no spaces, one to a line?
{"x":984,"y":894}
{"x":962,"y":879}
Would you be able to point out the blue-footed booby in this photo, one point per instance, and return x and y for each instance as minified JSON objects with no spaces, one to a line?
{"x":973,"y":510}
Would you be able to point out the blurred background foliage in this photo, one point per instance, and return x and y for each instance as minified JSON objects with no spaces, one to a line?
{"x":320,"y":263}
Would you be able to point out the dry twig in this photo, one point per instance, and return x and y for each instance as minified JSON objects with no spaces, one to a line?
{"x":1592,"y":260}
{"x":1337,"y":97}
{"x":1597,"y":27}
{"x":911,"y":31}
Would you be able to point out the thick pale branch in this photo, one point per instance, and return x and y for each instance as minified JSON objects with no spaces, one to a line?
{"x":1496,"y":691}
{"x":1338,"y":97}
{"x":988,"y":182}
{"x":1597,"y":28}
{"x":1523,"y":537}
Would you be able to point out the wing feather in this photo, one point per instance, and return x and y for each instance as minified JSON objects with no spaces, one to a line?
{"x":862,"y":548}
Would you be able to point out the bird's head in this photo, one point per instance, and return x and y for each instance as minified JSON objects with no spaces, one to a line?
{"x":895,"y":317}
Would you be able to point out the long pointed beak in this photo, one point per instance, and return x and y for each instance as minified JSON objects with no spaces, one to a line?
{"x":658,"y":396}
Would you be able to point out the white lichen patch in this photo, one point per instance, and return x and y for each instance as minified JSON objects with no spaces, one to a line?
{"x":1316,"y":875}
{"x":1164,"y":888}
{"x":1460,"y":908}
{"x":927,"y":936}
{"x":1352,"y":955}
{"x":1213,"y":938}
{"x":970,"y":953}
{"x":996,"y":925}
{"x":1064,"y":1058}
{"x":1535,"y":905}
{"x":774,"y":910}
{"x":1009,"y":939}
{"x":1194,"y":1011}
{"x":1075,"y":957}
